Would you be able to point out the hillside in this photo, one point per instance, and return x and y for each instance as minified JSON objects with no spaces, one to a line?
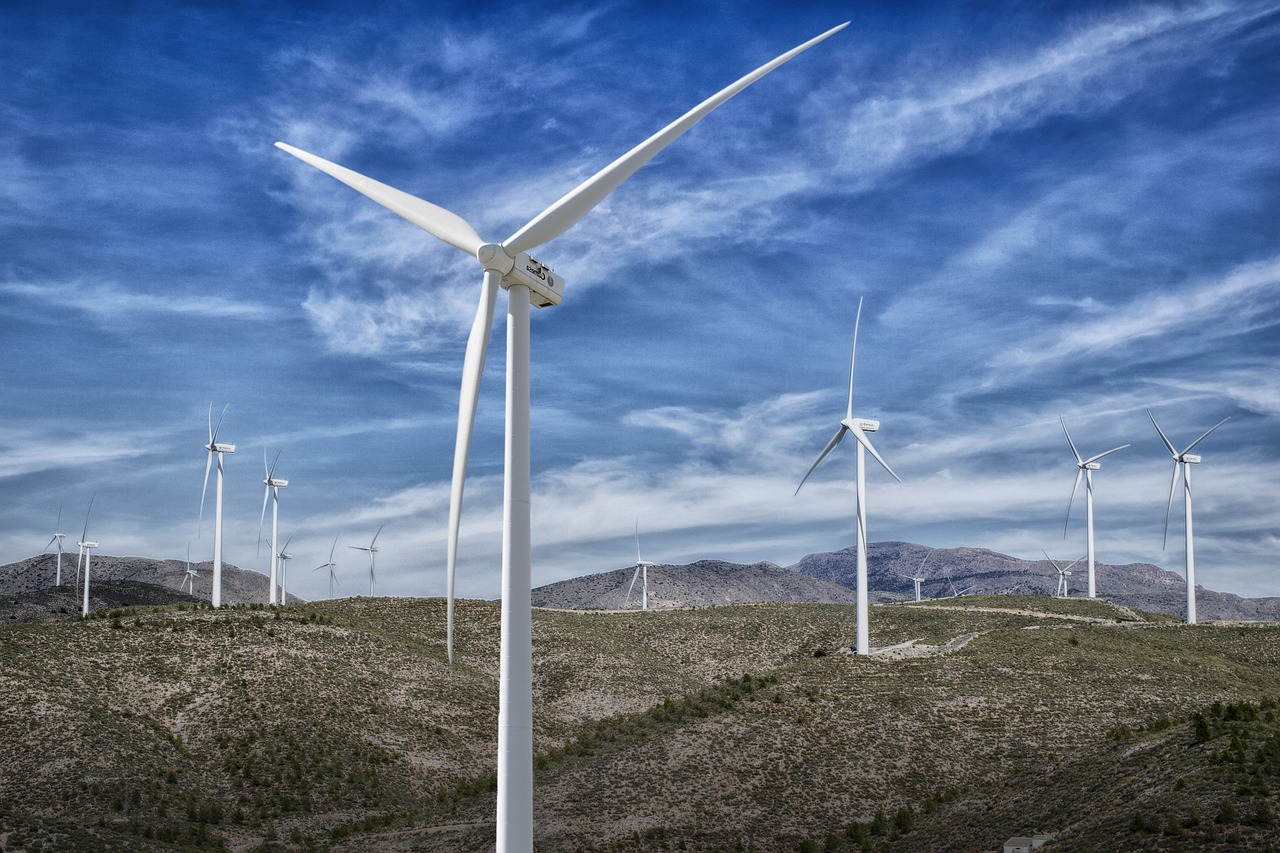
{"x":985,"y":572}
{"x":700,"y":584}
{"x":338,"y":725}
{"x":37,"y":575}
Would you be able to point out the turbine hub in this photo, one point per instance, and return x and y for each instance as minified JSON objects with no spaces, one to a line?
{"x":492,"y":257}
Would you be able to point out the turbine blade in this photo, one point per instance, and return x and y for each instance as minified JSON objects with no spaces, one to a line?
{"x":84,"y":535}
{"x":266,"y":493}
{"x":1206,"y":434}
{"x":1051,"y":560}
{"x":563,"y":214}
{"x":1108,"y":453}
{"x":274,"y":462}
{"x":823,"y":455}
{"x":1163,"y":437}
{"x":440,"y":223}
{"x":1070,"y":503}
{"x":211,"y":423}
{"x":208,"y":463}
{"x":925,"y":560}
{"x":1173,"y":487}
{"x":214,"y":435}
{"x":331,"y":550}
{"x":58,"y":526}
{"x":375,"y":536}
{"x":630,"y":588}
{"x":637,"y":541}
{"x":857,"y":320}
{"x":1079,"y":461}
{"x":468,"y":397}
{"x":51,"y":541}
{"x":866,"y":442}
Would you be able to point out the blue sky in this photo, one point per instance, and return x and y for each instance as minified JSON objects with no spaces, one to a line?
{"x":1050,"y":209}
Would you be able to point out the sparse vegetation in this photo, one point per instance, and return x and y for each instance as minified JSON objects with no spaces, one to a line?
{"x":339,"y":726}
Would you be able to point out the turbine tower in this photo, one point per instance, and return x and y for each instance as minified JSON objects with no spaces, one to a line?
{"x":272,"y":487}
{"x":331,"y":565}
{"x":1182,"y":463}
{"x":372,"y":550}
{"x":87,"y":546}
{"x":859,"y":427}
{"x":642,"y":571}
{"x":527,"y":281}
{"x":1084,"y":470}
{"x":57,"y":537}
{"x":214,"y":447}
{"x":919,"y":580}
{"x":1063,"y":573}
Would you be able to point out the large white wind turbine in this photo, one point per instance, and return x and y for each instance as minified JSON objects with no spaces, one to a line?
{"x":859,"y":427}
{"x":642,"y":571}
{"x":220,"y":449}
{"x":271,"y":488}
{"x":1064,"y":572}
{"x":58,"y":536}
{"x":372,"y":550}
{"x":508,"y":265}
{"x":919,"y":580}
{"x":86,"y":547}
{"x":331,"y":566}
{"x":1182,"y":463}
{"x":1084,"y":470}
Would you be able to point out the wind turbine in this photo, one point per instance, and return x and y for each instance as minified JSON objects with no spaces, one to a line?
{"x":372,"y":550}
{"x":57,"y":537}
{"x":220,"y":449}
{"x":1063,"y":573}
{"x":859,"y":427}
{"x":642,"y":571}
{"x":1084,"y":470}
{"x":191,"y":574}
{"x":272,"y":487}
{"x":87,"y":547}
{"x":331,"y":565}
{"x":284,"y":556}
{"x":1182,"y":463}
{"x":527,"y":281}
{"x":919,"y":580}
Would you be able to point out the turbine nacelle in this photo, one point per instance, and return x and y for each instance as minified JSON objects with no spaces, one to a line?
{"x":545,"y":287}
{"x":87,"y":544}
{"x":1090,"y":466}
{"x":274,"y":483}
{"x":864,"y":424}
{"x":1188,"y":458}
{"x":217,"y":447}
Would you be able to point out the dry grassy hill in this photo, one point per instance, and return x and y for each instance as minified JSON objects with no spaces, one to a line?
{"x":338,"y":725}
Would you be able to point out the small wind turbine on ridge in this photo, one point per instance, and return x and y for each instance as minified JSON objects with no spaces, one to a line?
{"x":272,"y":489}
{"x":1064,"y":572}
{"x":1084,"y":470}
{"x":87,"y":547}
{"x":859,"y":427}
{"x":58,"y":536}
{"x":642,"y":571}
{"x":372,"y":550}
{"x":190,"y":576}
{"x":1182,"y":463}
{"x":528,"y":282}
{"x":919,"y":580}
{"x":214,"y":447}
{"x":331,"y":566}
{"x":284,"y":557}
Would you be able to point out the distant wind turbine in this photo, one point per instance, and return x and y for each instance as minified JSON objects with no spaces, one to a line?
{"x":1182,"y":463}
{"x":331,"y":566}
{"x":58,"y":536}
{"x":527,"y":281}
{"x":87,"y":547}
{"x":859,"y":427}
{"x":1084,"y":470}
{"x":1064,"y":572}
{"x":372,"y":550}
{"x":642,"y":571}
{"x":919,"y":580}
{"x":271,"y":488}
{"x":284,"y":556}
{"x":220,"y":449}
{"x":191,"y":574}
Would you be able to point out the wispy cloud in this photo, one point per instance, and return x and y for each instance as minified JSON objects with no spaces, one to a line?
{"x":109,"y":301}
